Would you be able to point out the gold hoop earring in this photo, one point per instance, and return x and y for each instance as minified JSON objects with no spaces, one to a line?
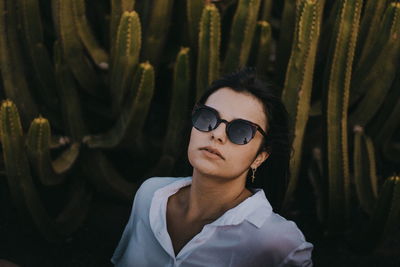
{"x":253,"y":175}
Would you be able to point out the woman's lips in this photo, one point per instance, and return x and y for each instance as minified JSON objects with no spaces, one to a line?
{"x":212,"y":152}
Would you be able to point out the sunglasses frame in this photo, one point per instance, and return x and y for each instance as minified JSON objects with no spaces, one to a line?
{"x":255,"y":127}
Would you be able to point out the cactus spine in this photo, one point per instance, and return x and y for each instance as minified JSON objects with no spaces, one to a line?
{"x":241,"y":35}
{"x":336,"y":108}
{"x":298,"y":84}
{"x":208,"y":53}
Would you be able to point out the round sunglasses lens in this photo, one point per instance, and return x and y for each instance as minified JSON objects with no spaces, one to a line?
{"x":240,"y":132}
{"x":204,"y":120}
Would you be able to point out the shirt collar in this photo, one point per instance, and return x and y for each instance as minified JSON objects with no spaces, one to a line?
{"x":254,"y":209}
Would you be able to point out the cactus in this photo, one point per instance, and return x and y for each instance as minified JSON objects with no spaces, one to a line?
{"x":298,"y":84}
{"x":156,"y":31}
{"x":13,"y":76}
{"x":130,"y":123}
{"x":178,"y":113}
{"x":315,"y":174}
{"x":285,"y":39}
{"x":263,"y":42}
{"x":241,"y":34}
{"x":38,"y":150}
{"x":97,"y":53}
{"x":73,"y":50}
{"x":377,"y":72}
{"x":369,"y":27}
{"x":266,"y":6}
{"x":23,"y":189}
{"x":193,"y":15}
{"x":29,"y":13}
{"x":118,"y":7}
{"x":208,"y":50}
{"x":126,"y":57}
{"x":337,"y":87}
{"x":365,"y":178}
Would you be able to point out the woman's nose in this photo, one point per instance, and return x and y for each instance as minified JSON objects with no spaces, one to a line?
{"x":219,"y":133}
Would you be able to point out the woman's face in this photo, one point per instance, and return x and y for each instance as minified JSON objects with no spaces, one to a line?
{"x":236,"y":159}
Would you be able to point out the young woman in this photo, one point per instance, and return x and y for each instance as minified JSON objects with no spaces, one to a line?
{"x":215,"y":217}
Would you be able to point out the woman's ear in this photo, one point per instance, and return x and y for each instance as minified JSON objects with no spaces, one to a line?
{"x":260,"y":158}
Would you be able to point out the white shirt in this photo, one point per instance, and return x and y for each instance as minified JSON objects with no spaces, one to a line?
{"x":249,"y":234}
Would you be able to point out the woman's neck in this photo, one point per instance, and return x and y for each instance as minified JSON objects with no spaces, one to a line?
{"x":208,"y":197}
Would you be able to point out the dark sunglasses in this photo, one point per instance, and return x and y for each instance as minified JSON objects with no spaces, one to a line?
{"x":239,"y":131}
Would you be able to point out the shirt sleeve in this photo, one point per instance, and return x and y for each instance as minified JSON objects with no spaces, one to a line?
{"x":300,"y":256}
{"x":126,"y":235}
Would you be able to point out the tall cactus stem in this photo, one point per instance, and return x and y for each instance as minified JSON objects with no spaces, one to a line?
{"x":34,"y":43}
{"x":12,"y":67}
{"x":193,"y":14}
{"x":73,"y":49}
{"x":335,"y":112}
{"x":126,"y":57}
{"x":241,"y":34}
{"x":208,"y":54}
{"x":374,"y":79}
{"x":97,"y":53}
{"x":298,"y":83}
{"x":157,"y":30}
{"x":365,"y":178}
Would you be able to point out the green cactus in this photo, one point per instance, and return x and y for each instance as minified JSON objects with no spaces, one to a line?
{"x":73,"y":50}
{"x":377,"y":72}
{"x":241,"y":34}
{"x":29,"y":13}
{"x":129,"y":125}
{"x":156,"y":31}
{"x":126,"y":57}
{"x":118,"y":7}
{"x":369,"y":27}
{"x":263,"y":42}
{"x":365,"y":178}
{"x":23,"y":189}
{"x":97,"y":53}
{"x":12,"y":66}
{"x":208,"y":49}
{"x":266,"y":7}
{"x":335,"y":108}
{"x":315,"y":174}
{"x":193,"y":14}
{"x":178,"y":113}
{"x":298,"y":84}
{"x":285,"y":39}
{"x":74,"y":125}
{"x":38,"y":150}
